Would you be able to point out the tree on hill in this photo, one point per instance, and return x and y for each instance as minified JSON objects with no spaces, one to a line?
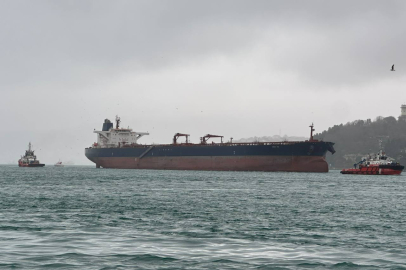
{"x":356,"y":139}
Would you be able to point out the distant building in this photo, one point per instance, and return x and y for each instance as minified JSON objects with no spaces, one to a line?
{"x":402,"y":112}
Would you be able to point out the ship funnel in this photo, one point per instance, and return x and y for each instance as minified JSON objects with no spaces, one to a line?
{"x":107,"y":125}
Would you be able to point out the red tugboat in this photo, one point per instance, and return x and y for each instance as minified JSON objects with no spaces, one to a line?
{"x":378,"y":164}
{"x":29,"y":159}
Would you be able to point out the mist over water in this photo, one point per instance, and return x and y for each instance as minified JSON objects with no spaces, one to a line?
{"x":86,"y":218}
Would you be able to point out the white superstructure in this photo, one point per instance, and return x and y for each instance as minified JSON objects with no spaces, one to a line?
{"x":378,"y":159}
{"x":116,"y":137}
{"x":29,"y":156}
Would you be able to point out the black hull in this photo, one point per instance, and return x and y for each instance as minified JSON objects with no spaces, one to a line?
{"x":32,"y":165}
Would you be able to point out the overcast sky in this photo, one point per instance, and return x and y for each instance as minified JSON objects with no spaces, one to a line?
{"x":233,"y":68}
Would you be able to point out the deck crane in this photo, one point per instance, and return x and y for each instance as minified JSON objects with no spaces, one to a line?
{"x":205,"y":138}
{"x":177,"y":135}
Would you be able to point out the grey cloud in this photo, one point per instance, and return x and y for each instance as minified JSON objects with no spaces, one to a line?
{"x":62,"y":41}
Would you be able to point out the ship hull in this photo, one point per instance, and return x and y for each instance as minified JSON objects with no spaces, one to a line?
{"x":31,"y":165}
{"x":241,"y":163}
{"x":289,"y":157}
{"x":375,"y":171}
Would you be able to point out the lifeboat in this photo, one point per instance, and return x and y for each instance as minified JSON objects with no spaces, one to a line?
{"x":379,"y":164}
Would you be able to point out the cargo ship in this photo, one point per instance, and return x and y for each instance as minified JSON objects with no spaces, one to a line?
{"x":29,"y":159}
{"x":119,"y":148}
{"x":379,"y":164}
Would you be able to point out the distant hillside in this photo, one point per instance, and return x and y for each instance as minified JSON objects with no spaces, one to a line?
{"x":358,"y":138}
{"x":275,"y":138}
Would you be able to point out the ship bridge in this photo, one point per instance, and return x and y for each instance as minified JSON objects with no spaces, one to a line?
{"x":113,"y":137}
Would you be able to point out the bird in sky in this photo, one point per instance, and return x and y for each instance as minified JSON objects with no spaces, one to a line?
{"x":393,"y":68}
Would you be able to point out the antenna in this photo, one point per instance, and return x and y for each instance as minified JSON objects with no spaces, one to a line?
{"x":117,"y":122}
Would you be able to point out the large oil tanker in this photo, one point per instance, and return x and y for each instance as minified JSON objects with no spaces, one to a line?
{"x":118,"y":148}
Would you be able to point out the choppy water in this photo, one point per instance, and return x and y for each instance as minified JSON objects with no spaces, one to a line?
{"x":87,"y":218}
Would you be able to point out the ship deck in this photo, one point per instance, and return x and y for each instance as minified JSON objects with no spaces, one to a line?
{"x":204,"y":145}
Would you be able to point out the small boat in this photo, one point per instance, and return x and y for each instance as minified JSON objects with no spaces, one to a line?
{"x":379,"y":164}
{"x":29,"y":159}
{"x":59,"y":164}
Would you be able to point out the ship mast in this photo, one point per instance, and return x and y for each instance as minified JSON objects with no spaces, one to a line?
{"x":29,"y":146}
{"x":311,"y":132}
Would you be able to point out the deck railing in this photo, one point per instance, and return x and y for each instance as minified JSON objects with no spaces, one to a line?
{"x":200,"y":144}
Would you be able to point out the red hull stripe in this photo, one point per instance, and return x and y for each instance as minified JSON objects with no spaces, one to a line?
{"x":218,"y":163}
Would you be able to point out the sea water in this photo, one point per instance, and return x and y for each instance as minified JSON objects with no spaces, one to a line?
{"x":86,"y":218}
